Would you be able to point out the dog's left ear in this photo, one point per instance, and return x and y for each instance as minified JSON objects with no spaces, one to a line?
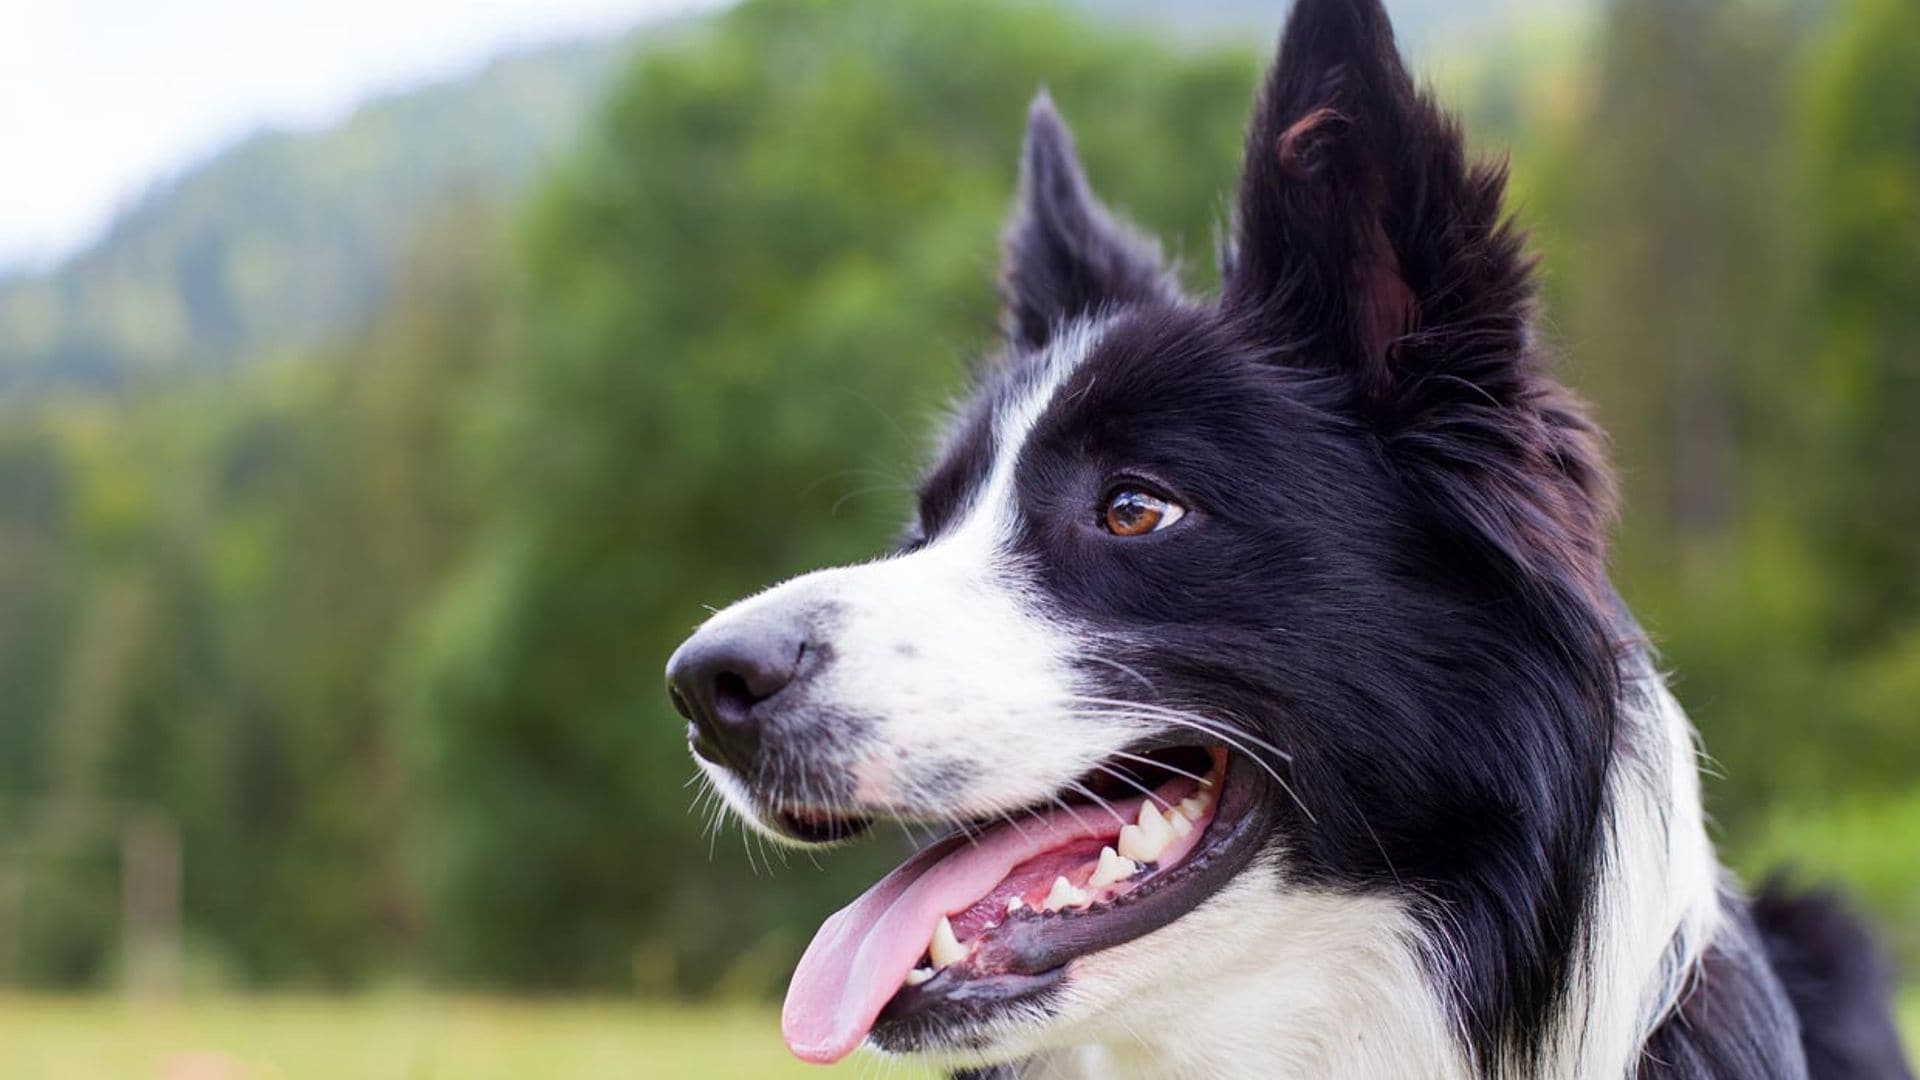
{"x":1358,"y":216}
{"x":1065,"y":256}
{"x":1365,"y":245}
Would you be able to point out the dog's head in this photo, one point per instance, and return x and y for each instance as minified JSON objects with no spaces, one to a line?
{"x":1292,"y":596}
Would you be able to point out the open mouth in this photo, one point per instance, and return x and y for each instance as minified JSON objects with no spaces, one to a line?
{"x":989,"y":919}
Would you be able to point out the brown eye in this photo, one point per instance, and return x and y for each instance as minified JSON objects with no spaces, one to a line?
{"x":1132,"y":512}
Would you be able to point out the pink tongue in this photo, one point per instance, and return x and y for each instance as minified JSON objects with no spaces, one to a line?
{"x":862,"y":953}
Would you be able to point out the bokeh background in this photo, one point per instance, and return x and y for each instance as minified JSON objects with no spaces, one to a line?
{"x":356,"y":480}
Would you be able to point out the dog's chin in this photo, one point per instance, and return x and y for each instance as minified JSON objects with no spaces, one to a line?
{"x":1132,"y":992}
{"x":971,"y":948}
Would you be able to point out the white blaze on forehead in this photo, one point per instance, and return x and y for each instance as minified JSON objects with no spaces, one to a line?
{"x":985,"y":693}
{"x":995,"y":506}
{"x":949,"y":659}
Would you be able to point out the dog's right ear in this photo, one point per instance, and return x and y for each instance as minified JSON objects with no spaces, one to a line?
{"x":1064,"y":254}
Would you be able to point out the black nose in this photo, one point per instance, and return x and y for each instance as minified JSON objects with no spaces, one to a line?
{"x":717,"y":677}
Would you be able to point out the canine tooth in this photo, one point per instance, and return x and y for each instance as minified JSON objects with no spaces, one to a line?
{"x":945,"y":948}
{"x":1063,"y":894}
{"x":1150,"y":837}
{"x":1113,"y":867}
{"x":918,"y":975}
{"x":1179,"y":822}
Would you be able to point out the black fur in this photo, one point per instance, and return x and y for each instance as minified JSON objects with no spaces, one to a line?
{"x":1389,"y":583}
{"x":1427,"y":508}
{"x":1837,"y":981}
{"x":1394,"y":563}
{"x":1066,"y":256}
{"x":1734,"y":1021}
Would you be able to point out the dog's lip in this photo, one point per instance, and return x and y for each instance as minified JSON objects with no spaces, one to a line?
{"x":1024,"y":960}
{"x":956,"y":1011}
{"x":815,"y":825}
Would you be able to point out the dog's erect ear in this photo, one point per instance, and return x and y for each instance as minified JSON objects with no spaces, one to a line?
{"x":1065,"y":255}
{"x":1360,"y":225}
{"x":1366,"y":245}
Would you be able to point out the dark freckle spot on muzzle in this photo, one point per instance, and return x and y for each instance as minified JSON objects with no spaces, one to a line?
{"x":906,"y":649}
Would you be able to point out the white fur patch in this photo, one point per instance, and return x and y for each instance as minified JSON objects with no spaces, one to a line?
{"x":958,"y":680}
{"x":1657,"y":906}
{"x":1262,"y":982}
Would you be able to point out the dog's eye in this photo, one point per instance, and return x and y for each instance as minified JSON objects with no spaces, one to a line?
{"x":1132,"y":512}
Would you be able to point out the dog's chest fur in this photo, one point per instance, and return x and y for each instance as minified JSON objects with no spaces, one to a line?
{"x":1294,"y":989}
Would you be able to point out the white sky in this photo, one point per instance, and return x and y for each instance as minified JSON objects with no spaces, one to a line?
{"x":101,"y":98}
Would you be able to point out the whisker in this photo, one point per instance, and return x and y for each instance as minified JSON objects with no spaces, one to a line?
{"x":1144,"y":760}
{"x":1229,"y":737}
{"x":1097,"y":800}
{"x":1070,"y":812}
{"x":1135,"y":784}
{"x":1193,"y":720}
{"x":1122,"y":668}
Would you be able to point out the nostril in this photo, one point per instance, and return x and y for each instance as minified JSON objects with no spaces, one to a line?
{"x":679,"y":703}
{"x":719,"y":680}
{"x":732,"y":697}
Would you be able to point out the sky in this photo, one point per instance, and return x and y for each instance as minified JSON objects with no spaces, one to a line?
{"x":100,"y":99}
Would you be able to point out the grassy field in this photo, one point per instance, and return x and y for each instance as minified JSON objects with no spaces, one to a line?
{"x":394,"y":1038}
{"x":412,"y":1038}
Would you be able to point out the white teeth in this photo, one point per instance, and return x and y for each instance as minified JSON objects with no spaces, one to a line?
{"x":1144,"y":842}
{"x":1178,"y":822}
{"x":1113,"y":867}
{"x":1014,"y":904}
{"x":945,"y":948}
{"x":1195,"y":805}
{"x":1063,"y":894}
{"x":918,"y":976}
{"x":1154,"y":824}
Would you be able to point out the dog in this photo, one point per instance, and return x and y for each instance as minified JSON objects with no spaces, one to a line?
{"x":1257,"y":656}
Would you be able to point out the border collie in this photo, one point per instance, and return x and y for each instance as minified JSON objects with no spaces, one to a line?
{"x":1257,"y":656}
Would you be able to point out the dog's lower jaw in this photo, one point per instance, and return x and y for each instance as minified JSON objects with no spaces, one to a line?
{"x":1261,"y":981}
{"x":1314,"y":984}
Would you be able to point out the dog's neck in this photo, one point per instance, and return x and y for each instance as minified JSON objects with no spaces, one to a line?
{"x":1657,"y":903}
{"x":1319,"y":985}
{"x":1338,"y":986}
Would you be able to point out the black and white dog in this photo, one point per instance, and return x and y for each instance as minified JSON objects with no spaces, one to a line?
{"x":1258,"y":654}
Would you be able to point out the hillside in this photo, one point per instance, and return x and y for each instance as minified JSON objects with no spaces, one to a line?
{"x":287,"y":238}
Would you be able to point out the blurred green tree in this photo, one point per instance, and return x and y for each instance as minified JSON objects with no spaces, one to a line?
{"x":768,"y":264}
{"x":381,"y":630}
{"x":1862,"y":405}
{"x":217,"y":576}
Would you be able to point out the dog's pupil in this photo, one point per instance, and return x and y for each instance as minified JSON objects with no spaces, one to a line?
{"x":1132,"y":513}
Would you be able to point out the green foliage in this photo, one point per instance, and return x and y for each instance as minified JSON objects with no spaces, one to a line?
{"x":1862,"y":191}
{"x":381,"y":627}
{"x":1738,"y":293}
{"x":229,"y":566}
{"x":1847,"y":840}
{"x":1681,"y":210}
{"x":765,"y":266}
